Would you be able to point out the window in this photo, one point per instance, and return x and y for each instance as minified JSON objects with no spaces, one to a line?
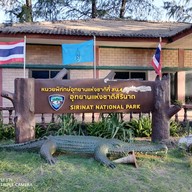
{"x":130,"y":75}
{"x":188,"y":88}
{"x":138,"y":75}
{"x":172,"y":78}
{"x":45,"y":74}
{"x":173,"y":86}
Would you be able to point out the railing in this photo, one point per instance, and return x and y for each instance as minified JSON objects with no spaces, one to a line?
{"x":186,"y":109}
{"x":91,"y":117}
{"x":9,"y":116}
{"x":183,"y":118}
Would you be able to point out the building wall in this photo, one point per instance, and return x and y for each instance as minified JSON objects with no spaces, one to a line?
{"x":8,"y":78}
{"x":80,"y":74}
{"x":103,"y":73}
{"x":139,"y":57}
{"x":124,"y":57}
{"x":43,"y":54}
{"x":51,"y":55}
{"x":170,"y":58}
{"x":188,"y":58}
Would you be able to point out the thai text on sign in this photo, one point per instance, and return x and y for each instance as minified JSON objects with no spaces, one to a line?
{"x":93,"y":95}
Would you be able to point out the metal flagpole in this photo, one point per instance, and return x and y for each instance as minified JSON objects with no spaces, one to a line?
{"x":94,"y":55}
{"x":160,"y":41}
{"x":24,"y":64}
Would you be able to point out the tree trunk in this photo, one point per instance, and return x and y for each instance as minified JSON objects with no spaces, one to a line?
{"x":162,"y":111}
{"x":94,"y":9}
{"x":122,"y":9}
{"x":23,"y":102}
{"x":29,"y":16}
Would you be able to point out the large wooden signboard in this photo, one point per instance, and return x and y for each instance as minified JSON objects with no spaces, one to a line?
{"x":89,"y":95}
{"x":36,"y":96}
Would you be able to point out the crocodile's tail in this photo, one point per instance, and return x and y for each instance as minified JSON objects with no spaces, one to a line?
{"x":33,"y":145}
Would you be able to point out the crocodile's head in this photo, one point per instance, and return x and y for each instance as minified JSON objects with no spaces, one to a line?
{"x":185,"y":142}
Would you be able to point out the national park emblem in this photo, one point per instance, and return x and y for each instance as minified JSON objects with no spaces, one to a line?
{"x":56,"y":101}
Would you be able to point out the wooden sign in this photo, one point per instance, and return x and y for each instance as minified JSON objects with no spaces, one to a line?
{"x":36,"y":96}
{"x":93,"y":95}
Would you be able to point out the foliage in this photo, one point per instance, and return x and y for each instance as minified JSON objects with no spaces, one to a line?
{"x":175,"y":129}
{"x":188,"y":99}
{"x":40,"y":131}
{"x":141,"y":127}
{"x":180,"y":10}
{"x":111,"y":9}
{"x":18,"y":11}
{"x":110,"y":126}
{"x":68,"y":125}
{"x":65,"y":125}
{"x":52,"y":10}
{"x":49,"y":10}
{"x":178,"y":102}
{"x":7,"y":132}
{"x":188,"y":127}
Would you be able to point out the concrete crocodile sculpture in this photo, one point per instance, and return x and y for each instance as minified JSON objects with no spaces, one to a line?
{"x":185,"y":143}
{"x":100,"y":148}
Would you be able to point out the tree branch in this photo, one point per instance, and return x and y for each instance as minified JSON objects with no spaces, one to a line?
{"x":8,"y":95}
{"x":173,"y":110}
{"x":61,"y":74}
{"x":111,"y":75}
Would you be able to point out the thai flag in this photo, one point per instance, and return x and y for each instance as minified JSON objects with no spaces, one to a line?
{"x":156,"y":61}
{"x":12,"y":52}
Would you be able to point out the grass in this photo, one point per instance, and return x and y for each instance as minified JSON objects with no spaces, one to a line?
{"x":27,"y":172}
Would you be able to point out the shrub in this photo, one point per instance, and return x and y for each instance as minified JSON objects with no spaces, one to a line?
{"x":40,"y":131}
{"x":67,"y":125}
{"x":141,"y":127}
{"x":176,"y":129}
{"x":110,"y":126}
{"x":7,"y":132}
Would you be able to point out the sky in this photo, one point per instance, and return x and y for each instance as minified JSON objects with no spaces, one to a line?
{"x":3,"y":17}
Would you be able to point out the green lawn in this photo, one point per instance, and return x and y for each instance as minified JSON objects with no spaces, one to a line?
{"x":28,"y":172}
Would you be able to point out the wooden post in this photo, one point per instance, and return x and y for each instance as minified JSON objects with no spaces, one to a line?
{"x":162,"y":111}
{"x":23,"y":102}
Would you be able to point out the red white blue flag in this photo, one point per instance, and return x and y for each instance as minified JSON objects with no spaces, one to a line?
{"x":156,"y":61}
{"x":11,"y":52}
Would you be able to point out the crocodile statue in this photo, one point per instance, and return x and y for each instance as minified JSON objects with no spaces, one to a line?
{"x":100,"y":148}
{"x":186,"y":143}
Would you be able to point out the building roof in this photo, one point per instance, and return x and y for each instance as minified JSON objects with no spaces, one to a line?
{"x":100,"y":27}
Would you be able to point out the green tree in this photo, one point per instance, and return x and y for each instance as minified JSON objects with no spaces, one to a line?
{"x":52,"y":10}
{"x":179,"y":10}
{"x":112,"y":9}
{"x":18,"y":11}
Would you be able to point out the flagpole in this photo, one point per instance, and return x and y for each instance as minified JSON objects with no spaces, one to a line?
{"x":94,"y":55}
{"x":24,"y":63}
{"x":160,"y":76}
